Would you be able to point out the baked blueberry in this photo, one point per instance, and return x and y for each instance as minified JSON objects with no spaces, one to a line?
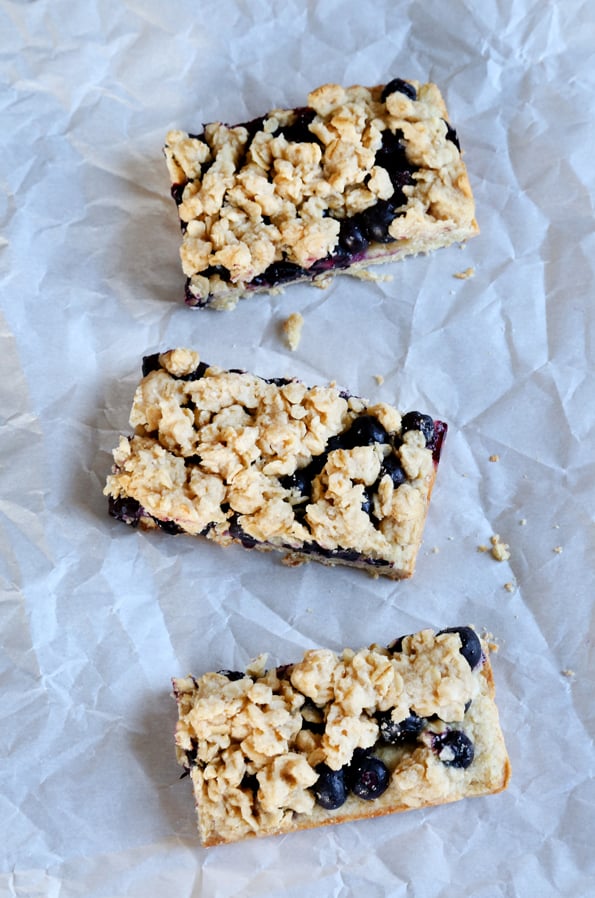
{"x":279,"y":273}
{"x":351,"y":236}
{"x":223,"y":272}
{"x":403,"y":87}
{"x":150,"y":363}
{"x":250,"y":781}
{"x":454,"y":748}
{"x":392,"y":466}
{"x":418,"y":421}
{"x":330,"y":789}
{"x":368,"y":776}
{"x":376,"y":221}
{"x":298,"y":131}
{"x":396,"y":645}
{"x":393,"y":158}
{"x":451,"y":135}
{"x":124,"y":509}
{"x":396,"y":733}
{"x":365,"y":431}
{"x":470,"y":644}
{"x":236,"y":532}
{"x":232,"y":674}
{"x":191,"y":754}
{"x":169,"y":527}
{"x":368,"y":500}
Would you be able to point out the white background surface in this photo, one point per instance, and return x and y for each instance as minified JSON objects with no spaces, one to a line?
{"x":96,"y":618}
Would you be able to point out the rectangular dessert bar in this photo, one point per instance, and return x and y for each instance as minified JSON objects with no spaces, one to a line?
{"x":335,"y":738}
{"x":273,"y":464}
{"x":357,"y":176}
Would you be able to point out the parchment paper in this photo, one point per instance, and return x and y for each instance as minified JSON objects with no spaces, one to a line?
{"x":97,"y":618}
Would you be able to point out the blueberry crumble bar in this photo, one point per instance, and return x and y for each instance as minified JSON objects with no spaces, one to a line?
{"x":341,"y":737}
{"x":359,"y":175}
{"x":273,"y":464}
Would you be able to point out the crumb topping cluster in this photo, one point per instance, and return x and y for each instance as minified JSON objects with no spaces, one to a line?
{"x":253,"y":757}
{"x":223,"y":448}
{"x":277,"y":189}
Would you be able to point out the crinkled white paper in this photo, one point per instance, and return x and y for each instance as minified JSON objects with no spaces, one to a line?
{"x":96,"y":617}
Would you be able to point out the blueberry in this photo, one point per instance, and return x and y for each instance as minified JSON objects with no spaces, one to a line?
{"x":368,"y":501}
{"x":440,"y":431}
{"x":470,"y":644}
{"x":454,"y":748}
{"x":169,"y":527}
{"x":365,"y":431}
{"x":352,"y":237}
{"x":223,"y":272}
{"x":301,"y":479}
{"x":417,"y":421}
{"x":237,"y":533}
{"x":392,"y":466}
{"x":151,"y":363}
{"x":396,"y":645}
{"x":279,"y":273}
{"x":232,"y":674}
{"x":400,"y":86}
{"x":376,"y":221}
{"x":298,"y":131}
{"x":129,"y":511}
{"x":177,"y":192}
{"x":393,"y":157}
{"x":312,"y":717}
{"x":278,"y":381}
{"x":339,"y":258}
{"x":368,"y":776}
{"x":396,"y":733}
{"x":191,"y":754}
{"x":250,"y":781}
{"x":283,"y":671}
{"x":451,"y":135}
{"x":330,"y":789}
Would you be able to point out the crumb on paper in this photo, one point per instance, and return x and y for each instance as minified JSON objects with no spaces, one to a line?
{"x":379,"y":379}
{"x":494,"y":458}
{"x":523,"y":522}
{"x":558,"y":550}
{"x":364,"y":275}
{"x":567,"y":672}
{"x":556,"y":527}
{"x":483,"y":548}
{"x":292,"y":328}
{"x":509,"y":587}
{"x":500,"y":550}
{"x":463,"y":275}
